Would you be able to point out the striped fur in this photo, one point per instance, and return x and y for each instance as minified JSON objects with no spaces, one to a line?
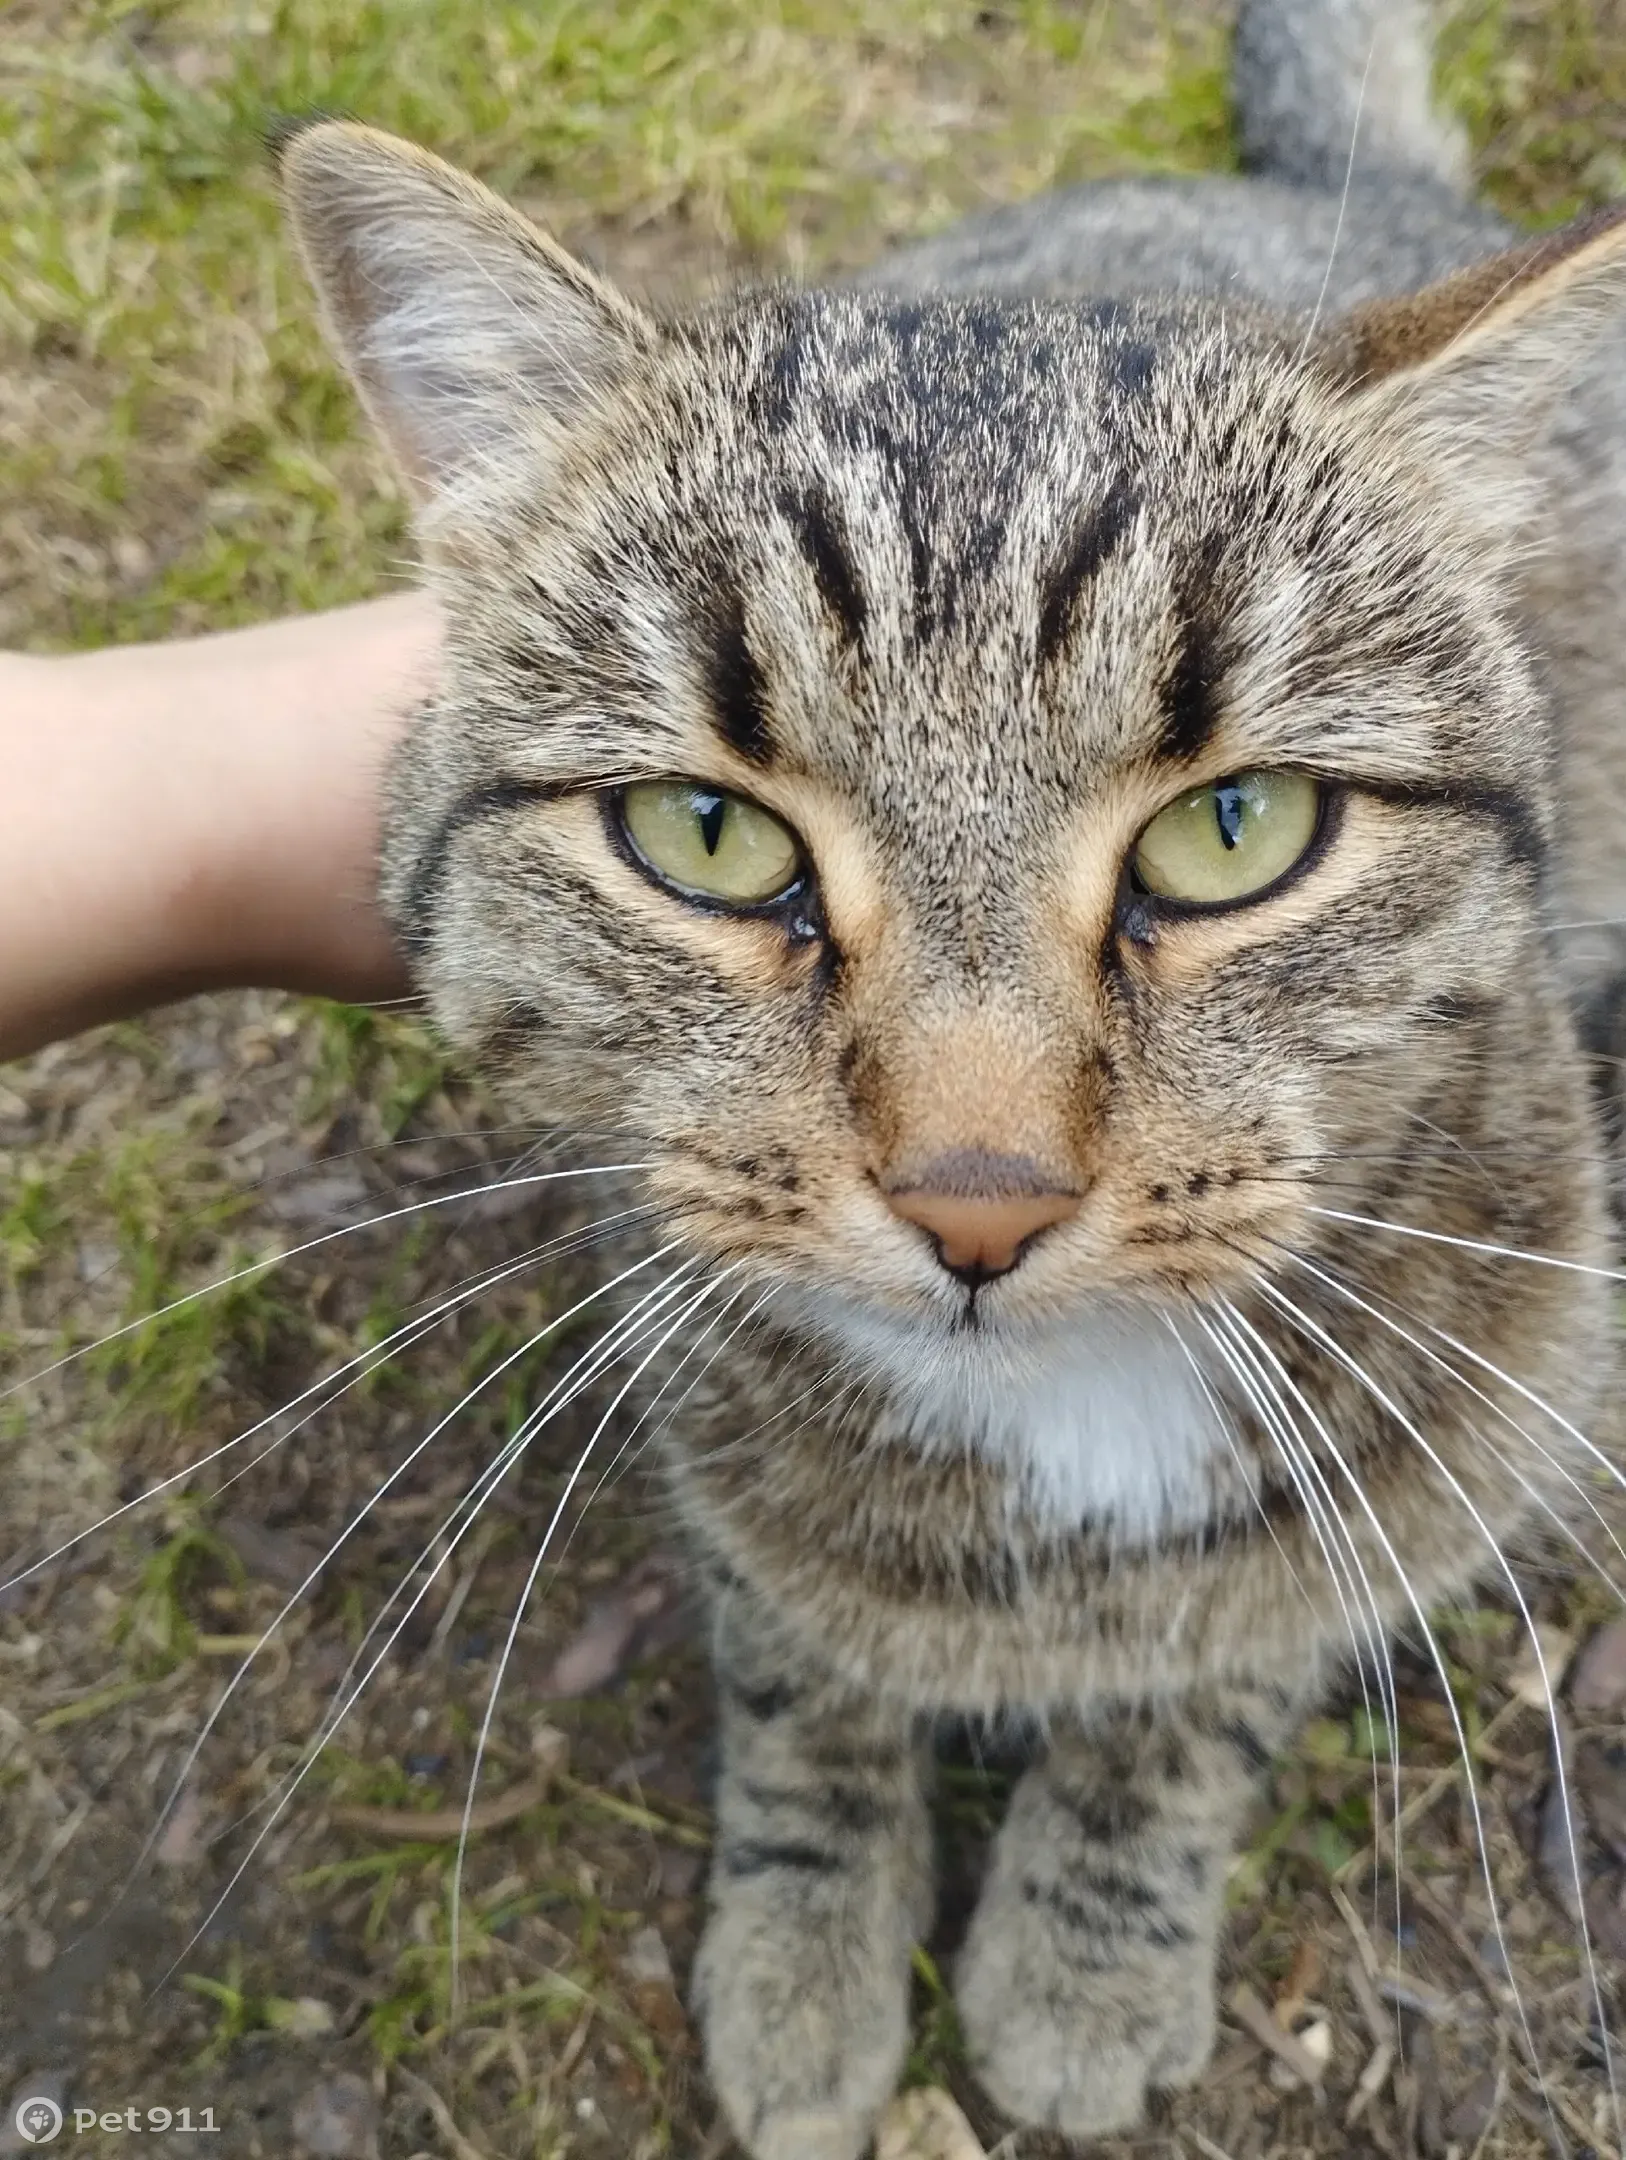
{"x":965,"y":573}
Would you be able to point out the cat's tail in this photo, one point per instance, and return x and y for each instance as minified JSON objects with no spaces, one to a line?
{"x":1315,"y":78}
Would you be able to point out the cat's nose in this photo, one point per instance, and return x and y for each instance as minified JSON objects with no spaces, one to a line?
{"x":981,"y":1210}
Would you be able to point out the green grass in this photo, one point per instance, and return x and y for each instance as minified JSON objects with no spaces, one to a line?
{"x":937,"y":2054}
{"x":153,"y":1211}
{"x":184,"y":448}
{"x":420,"y":1998}
{"x":376,"y":1055}
{"x":239,"y":2012}
{"x":171,"y":1229}
{"x":156,"y":1629}
{"x":33,"y":1218}
{"x":1541,"y":85}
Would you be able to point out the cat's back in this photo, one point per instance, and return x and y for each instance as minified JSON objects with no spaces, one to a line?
{"x":1248,"y":237}
{"x":1355,"y":186}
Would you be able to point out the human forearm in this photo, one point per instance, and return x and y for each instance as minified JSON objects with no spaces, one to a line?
{"x":190,"y":816}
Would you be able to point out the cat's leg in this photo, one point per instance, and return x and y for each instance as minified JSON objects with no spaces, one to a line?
{"x":1088,"y":1973}
{"x":820,"y":1885}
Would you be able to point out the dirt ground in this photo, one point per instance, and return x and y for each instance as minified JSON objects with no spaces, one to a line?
{"x":252,"y":1919}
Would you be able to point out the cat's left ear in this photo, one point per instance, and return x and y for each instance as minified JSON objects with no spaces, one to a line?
{"x":469,"y":333}
{"x":1471,"y":367}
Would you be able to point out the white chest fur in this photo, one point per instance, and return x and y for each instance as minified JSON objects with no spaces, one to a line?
{"x":1105,"y":1420}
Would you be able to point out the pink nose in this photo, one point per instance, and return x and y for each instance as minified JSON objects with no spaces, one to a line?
{"x":981,"y":1210}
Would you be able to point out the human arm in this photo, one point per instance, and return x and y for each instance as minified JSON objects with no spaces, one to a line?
{"x":201,"y":814}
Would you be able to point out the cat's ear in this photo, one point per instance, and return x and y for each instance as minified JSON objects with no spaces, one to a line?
{"x":467,"y":331}
{"x":1472,"y":367}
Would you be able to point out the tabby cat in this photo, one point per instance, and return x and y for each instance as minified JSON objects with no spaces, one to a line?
{"x":1041,"y":793}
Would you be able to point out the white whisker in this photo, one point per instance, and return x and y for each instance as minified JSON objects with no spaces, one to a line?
{"x":360,"y":1367}
{"x":467,"y":1510}
{"x":1342,"y":1557}
{"x":1281,"y":1441}
{"x":1343,"y":206}
{"x":717,"y":1349}
{"x":1324,"y":1510}
{"x":1313,"y":1330}
{"x":1335,"y":1283}
{"x":521,"y":1604}
{"x":279,"y":1803}
{"x":1374,"y":1521}
{"x":294,"y":1252}
{"x":1478,"y":1245}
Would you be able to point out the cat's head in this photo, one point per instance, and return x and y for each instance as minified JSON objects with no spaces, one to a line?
{"x":995,"y":802}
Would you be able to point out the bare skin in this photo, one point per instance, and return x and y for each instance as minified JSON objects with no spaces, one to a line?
{"x":201,"y":814}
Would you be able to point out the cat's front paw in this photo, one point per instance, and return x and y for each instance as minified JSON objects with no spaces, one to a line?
{"x":805,"y":2030}
{"x":1069,"y":2033}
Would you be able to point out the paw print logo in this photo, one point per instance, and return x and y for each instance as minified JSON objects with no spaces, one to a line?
{"x":38,"y":2120}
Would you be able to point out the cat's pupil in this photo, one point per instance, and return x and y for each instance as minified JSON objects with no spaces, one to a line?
{"x":1230,"y":810}
{"x":711,"y":810}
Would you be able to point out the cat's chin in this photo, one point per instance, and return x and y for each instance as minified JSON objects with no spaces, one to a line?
{"x":1103,"y":1415}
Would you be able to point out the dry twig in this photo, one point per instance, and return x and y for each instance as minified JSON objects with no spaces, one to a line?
{"x":431,"y":1826}
{"x":1245,"y":2006}
{"x":1420,"y":1803}
{"x":460,"y":2147}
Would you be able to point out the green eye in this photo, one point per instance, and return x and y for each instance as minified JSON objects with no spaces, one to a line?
{"x":717,"y":846}
{"x":1229,"y":840}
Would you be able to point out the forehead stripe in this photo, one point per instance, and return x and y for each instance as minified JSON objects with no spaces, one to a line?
{"x":738,"y":694}
{"x":1187,"y":694}
{"x":822,"y":542}
{"x":1097,"y":539}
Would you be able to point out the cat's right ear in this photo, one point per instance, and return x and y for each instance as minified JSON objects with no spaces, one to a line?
{"x":470,"y":335}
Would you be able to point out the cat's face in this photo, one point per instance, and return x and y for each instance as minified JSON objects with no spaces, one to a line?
{"x":926,"y":614}
{"x":965,"y":600}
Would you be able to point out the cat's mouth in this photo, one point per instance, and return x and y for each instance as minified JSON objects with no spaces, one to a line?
{"x":968,"y":1319}
{"x":981,"y":1325}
